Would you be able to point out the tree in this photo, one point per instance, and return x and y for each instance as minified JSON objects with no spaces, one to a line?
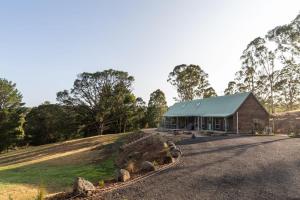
{"x":96,"y":96}
{"x":157,"y":106}
{"x":209,"y":92}
{"x":270,"y":67}
{"x":11,"y":115}
{"x":141,"y":111}
{"x":287,"y":40}
{"x":288,"y":86}
{"x":231,"y":88}
{"x":258,"y":73}
{"x":191,"y":82}
{"x":50,"y":123}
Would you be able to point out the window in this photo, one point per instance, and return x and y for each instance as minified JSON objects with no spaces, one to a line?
{"x":218,"y":124}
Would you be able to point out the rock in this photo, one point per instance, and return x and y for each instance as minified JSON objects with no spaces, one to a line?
{"x":170,"y":143}
{"x":193,"y":136}
{"x":82,"y":186}
{"x":165,"y":145}
{"x":145,"y":154}
{"x":175,"y":153}
{"x":148,"y":166}
{"x":168,"y":160}
{"x":122,"y":175}
{"x":173,"y":147}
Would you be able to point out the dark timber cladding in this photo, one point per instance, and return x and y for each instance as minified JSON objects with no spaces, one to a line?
{"x":238,"y":113}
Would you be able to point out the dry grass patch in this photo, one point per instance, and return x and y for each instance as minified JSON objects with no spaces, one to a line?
{"x":56,"y":165}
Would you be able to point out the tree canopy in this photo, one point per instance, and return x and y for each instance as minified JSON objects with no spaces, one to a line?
{"x":271,"y":67}
{"x":102,"y":98}
{"x":11,"y":115}
{"x":191,"y":82}
{"x":157,"y":106}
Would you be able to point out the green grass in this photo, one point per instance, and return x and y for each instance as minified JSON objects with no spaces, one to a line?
{"x":55,"y":178}
{"x":51,"y":167}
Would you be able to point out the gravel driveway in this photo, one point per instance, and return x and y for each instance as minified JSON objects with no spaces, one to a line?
{"x":231,"y":167}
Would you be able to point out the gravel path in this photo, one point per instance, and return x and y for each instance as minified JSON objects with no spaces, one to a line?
{"x":226,"y":168}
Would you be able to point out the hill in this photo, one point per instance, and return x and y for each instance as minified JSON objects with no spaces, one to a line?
{"x":55,"y":166}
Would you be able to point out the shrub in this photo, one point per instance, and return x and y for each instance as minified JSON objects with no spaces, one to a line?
{"x":155,"y":163}
{"x":41,"y":193}
{"x":131,"y":166}
{"x":101,"y":184}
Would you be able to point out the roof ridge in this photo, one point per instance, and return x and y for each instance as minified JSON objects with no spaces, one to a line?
{"x":229,"y":95}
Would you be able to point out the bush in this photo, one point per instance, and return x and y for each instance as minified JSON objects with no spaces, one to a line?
{"x":101,"y":184}
{"x":40,"y":194}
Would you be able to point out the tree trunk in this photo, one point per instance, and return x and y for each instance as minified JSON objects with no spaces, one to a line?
{"x":124,"y":130}
{"x":100,"y":129}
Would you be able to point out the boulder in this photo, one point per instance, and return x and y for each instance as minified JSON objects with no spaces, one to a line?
{"x":148,"y":166}
{"x":170,"y":143}
{"x":122,"y":175}
{"x":82,"y":186}
{"x":165,"y":145}
{"x":173,"y":147}
{"x":175,"y":153}
{"x":168,"y":160}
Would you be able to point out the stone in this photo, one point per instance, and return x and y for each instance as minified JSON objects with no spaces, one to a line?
{"x":147,"y":166}
{"x":170,"y":143}
{"x":173,"y":147}
{"x":165,"y":145}
{"x":122,"y":175}
{"x":168,"y":160}
{"x":175,"y":153}
{"x":82,"y":186}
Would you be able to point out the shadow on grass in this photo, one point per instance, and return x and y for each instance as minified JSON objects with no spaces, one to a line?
{"x":47,"y":150}
{"x":58,"y":174}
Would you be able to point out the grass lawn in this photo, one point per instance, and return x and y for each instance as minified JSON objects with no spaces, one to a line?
{"x":55,"y":166}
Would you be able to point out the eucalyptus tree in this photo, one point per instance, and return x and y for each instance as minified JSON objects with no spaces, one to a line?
{"x":287,"y":50}
{"x":288,"y":86}
{"x":232,"y":88}
{"x":270,"y":67}
{"x":257,"y":74}
{"x":191,"y":82}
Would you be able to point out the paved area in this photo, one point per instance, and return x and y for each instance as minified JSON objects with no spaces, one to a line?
{"x":229,"y":167}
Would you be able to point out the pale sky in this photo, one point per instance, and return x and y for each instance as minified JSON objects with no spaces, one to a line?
{"x":45,"y":44}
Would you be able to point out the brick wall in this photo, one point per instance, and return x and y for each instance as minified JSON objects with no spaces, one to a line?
{"x":249,"y":111}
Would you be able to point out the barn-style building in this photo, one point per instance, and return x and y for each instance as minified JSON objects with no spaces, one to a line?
{"x":238,"y":113}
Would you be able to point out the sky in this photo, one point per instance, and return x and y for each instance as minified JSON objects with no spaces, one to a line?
{"x":44,"y":45}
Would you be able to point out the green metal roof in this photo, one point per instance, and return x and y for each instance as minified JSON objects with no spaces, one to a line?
{"x":221,"y":106}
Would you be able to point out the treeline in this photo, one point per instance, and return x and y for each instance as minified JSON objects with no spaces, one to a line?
{"x":98,"y":103}
{"x":271,"y":69}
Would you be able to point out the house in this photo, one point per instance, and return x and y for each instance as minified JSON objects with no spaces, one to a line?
{"x":238,"y":113}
